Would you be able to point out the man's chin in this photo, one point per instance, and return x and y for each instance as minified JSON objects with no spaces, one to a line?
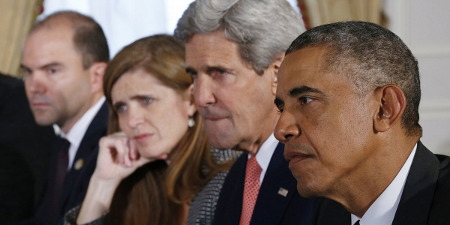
{"x":222,"y":134}
{"x":222,"y":143}
{"x":44,"y":120}
{"x":221,"y":146}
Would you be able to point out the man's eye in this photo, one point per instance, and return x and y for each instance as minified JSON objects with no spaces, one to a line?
{"x":25,"y":73}
{"x":192,"y":73}
{"x":305,"y":100}
{"x":217,"y":73}
{"x":279,"y":110}
{"x":220,"y":72}
{"x":279,"y":104}
{"x":52,"y":70}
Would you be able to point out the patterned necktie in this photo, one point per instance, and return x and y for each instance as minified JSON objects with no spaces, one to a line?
{"x":251,"y":190}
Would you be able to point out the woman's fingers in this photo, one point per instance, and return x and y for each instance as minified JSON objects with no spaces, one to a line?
{"x":118,"y":144}
{"x":134,"y":153}
{"x":116,"y":148}
{"x":123,"y":151}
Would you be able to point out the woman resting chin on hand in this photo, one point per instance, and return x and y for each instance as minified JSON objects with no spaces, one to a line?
{"x":153,"y":120}
{"x":118,"y":158}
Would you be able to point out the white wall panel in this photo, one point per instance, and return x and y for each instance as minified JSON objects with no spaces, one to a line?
{"x":423,"y":25}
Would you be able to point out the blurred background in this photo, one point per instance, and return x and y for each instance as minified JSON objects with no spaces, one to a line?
{"x":422,"y":25}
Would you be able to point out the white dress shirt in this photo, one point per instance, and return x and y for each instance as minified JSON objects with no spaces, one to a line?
{"x":76,"y":133}
{"x":382,"y":211}
{"x":265,"y":153}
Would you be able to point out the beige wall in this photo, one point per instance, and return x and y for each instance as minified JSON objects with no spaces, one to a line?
{"x":16,"y":17}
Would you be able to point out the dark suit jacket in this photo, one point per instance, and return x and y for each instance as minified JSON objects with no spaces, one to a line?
{"x":77,"y":179}
{"x":271,"y":207}
{"x":425,"y":198}
{"x":24,"y":153}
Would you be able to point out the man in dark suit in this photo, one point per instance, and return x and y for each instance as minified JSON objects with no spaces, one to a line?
{"x":233,"y":51}
{"x":24,"y":151}
{"x":64,"y":59}
{"x":349,"y":96}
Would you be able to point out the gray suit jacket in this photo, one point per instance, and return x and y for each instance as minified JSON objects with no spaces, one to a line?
{"x":201,"y":210}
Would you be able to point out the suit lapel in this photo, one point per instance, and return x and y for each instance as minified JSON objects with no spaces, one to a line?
{"x":416,"y":200}
{"x":86,"y":153}
{"x":439,"y":213}
{"x":277,"y":190}
{"x":418,"y":192}
{"x":330,"y":212}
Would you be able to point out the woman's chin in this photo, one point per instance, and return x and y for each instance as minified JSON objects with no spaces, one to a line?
{"x":153,"y":157}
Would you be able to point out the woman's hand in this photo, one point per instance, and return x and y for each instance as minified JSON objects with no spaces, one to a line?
{"x":118,"y":157}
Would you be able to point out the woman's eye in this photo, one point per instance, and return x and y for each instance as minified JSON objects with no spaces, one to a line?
{"x":121,"y":108}
{"x":147,"y":100}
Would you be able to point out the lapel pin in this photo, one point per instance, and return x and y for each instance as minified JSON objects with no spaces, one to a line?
{"x":78,"y":164}
{"x":283,"y":192}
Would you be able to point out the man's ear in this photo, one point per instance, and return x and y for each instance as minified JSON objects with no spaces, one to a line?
{"x":276,"y":66}
{"x":97,"y":71}
{"x":392,"y":103}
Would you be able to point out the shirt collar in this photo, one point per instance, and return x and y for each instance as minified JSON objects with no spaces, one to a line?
{"x":382,"y":211}
{"x":77,"y":132}
{"x":264,"y":154}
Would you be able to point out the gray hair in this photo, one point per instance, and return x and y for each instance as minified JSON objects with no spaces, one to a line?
{"x":263,"y":29}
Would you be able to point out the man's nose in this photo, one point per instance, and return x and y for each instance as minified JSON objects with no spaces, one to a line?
{"x":203,"y":91}
{"x":286,"y":127}
{"x":35,"y":83}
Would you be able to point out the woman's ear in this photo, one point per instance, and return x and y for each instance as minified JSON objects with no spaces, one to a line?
{"x":392,"y":102}
{"x":191,"y":104}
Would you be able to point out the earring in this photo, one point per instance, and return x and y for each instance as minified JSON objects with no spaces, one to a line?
{"x":191,"y":122}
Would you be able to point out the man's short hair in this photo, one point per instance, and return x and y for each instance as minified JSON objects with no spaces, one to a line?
{"x":89,"y":38}
{"x":371,"y":57}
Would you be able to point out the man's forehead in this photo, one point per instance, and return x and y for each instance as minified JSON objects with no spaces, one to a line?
{"x":306,"y":59}
{"x":300,"y":68}
{"x":211,"y":50}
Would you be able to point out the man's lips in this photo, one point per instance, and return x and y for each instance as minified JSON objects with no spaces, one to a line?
{"x":295,"y":158}
{"x":213,"y":114}
{"x":39,"y":104}
{"x":40,"y":101}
